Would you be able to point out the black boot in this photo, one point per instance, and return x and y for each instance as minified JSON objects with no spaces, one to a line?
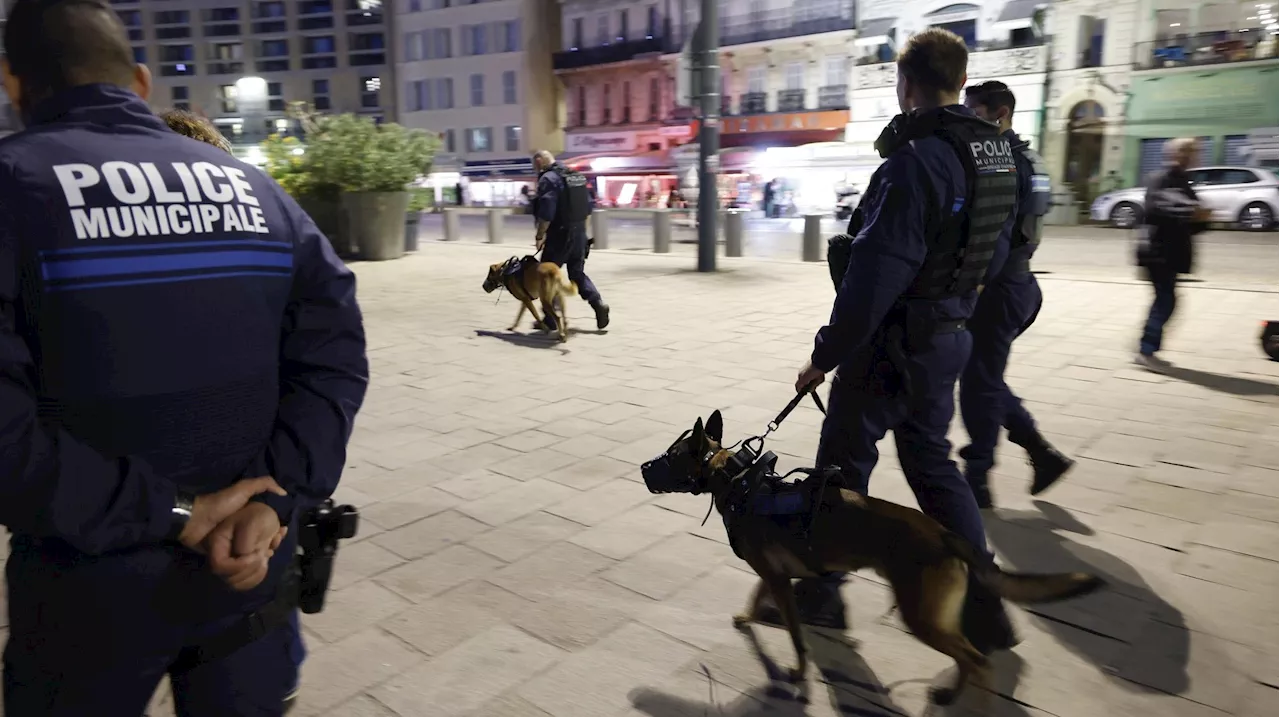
{"x":602,"y":315}
{"x":819,"y":603}
{"x":984,"y":621}
{"x":1048,"y":463}
{"x":981,"y":490}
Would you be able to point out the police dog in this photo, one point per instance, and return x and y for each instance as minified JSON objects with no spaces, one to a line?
{"x":926,"y":565}
{"x":528,"y":279}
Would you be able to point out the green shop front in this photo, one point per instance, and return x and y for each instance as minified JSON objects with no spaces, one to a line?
{"x":1222,"y":105}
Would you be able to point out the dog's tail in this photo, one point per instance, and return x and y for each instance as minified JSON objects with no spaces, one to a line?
{"x":569,"y":287}
{"x":1022,"y":588}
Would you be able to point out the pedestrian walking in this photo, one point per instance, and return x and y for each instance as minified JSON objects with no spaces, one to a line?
{"x":1172,"y":216}
{"x":1007,"y":306}
{"x":561,"y":208}
{"x":181,"y":360}
{"x":934,"y":222}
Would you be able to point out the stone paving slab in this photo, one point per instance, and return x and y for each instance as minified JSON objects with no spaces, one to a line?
{"x":512,"y":563}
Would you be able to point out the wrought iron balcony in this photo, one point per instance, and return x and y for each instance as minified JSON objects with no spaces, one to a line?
{"x":607,"y":54}
{"x":753,"y":103}
{"x":1206,"y":48}
{"x":741,"y":29}
{"x":790,"y":100}
{"x":833,"y":97}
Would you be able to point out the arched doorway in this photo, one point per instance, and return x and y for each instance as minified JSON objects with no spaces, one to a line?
{"x":1085,"y":135}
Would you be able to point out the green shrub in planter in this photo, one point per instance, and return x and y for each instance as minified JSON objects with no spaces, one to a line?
{"x":287,"y":163}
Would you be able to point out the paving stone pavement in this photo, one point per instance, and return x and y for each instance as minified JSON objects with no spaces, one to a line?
{"x":512,"y":564}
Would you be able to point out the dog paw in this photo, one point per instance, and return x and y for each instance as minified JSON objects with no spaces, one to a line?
{"x":795,"y":674}
{"x":942,"y":696}
{"x":741,"y":620}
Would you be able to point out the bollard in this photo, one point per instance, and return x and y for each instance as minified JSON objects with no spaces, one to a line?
{"x":451,"y":230}
{"x":600,"y":229}
{"x":733,"y":221}
{"x":661,"y":231}
{"x":811,"y":250}
{"x":495,"y":217}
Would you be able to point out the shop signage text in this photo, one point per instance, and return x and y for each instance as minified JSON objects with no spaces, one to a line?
{"x":786,"y":122}
{"x":982,"y":65}
{"x":606,"y":141}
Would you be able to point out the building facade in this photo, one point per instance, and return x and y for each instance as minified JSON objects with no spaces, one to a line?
{"x":240,"y":62}
{"x":1130,"y":75}
{"x":1006,"y":40}
{"x":478,"y":72}
{"x":8,"y":118}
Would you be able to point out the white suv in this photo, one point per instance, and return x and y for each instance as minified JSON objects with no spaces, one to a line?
{"x":1242,"y":196}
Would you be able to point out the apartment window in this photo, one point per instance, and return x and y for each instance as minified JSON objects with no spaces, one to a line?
{"x":1092,"y":35}
{"x":475,"y":40}
{"x":582,"y":107}
{"x":510,"y":34}
{"x":444,"y":93}
{"x":450,"y":145}
{"x":413,"y":46}
{"x":440,"y":4}
{"x":320,"y":94}
{"x":606,"y":115}
{"x":513,"y":139}
{"x":441,"y":45}
{"x":180,"y":97}
{"x":369,"y":87}
{"x":577,"y":33}
{"x":417,"y":95}
{"x":509,"y":87}
{"x":140,"y":55}
{"x":795,"y":76}
{"x":177,"y":60}
{"x":275,"y":97}
{"x":602,"y":30}
{"x":480,"y":139}
{"x":321,"y":45}
{"x":477,"y":90}
{"x":227,"y":96}
{"x":172,"y":24}
{"x":415,"y":5}
{"x":132,"y":20}
{"x":273,"y":56}
{"x":654,"y":97}
{"x":623,"y":17}
{"x":364,"y":12}
{"x":221,"y":21}
{"x":626,"y":102}
{"x":365,"y":42}
{"x":837,"y":72}
{"x":651,"y":27}
{"x":269,"y":17}
{"x":315,"y":14}
{"x":756,"y":78}
{"x":226,"y":58}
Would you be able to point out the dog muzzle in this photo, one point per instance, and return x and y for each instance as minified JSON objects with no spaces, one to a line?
{"x":662,"y":475}
{"x":490,"y":286}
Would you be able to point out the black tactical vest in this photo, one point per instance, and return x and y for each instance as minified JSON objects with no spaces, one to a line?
{"x":964,"y":240}
{"x":574,"y":204}
{"x":1031,"y":210}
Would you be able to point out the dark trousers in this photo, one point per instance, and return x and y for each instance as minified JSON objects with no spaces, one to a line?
{"x":860,"y":413}
{"x":569,"y":250}
{"x":1165,"y":284}
{"x":95,"y":635}
{"x":1004,"y":311}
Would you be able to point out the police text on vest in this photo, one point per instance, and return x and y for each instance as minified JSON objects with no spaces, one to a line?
{"x":144,"y":199}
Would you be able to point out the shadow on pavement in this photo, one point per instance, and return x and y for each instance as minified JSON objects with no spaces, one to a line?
{"x":533,"y":341}
{"x":1110,"y":635}
{"x":1233,"y":385}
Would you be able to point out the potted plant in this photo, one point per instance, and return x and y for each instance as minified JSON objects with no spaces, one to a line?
{"x":372,"y":165}
{"x":286,"y":162}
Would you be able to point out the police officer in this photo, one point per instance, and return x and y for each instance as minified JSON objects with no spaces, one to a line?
{"x":1007,"y":307}
{"x":561,"y":208}
{"x":933,"y":222}
{"x":181,"y":360}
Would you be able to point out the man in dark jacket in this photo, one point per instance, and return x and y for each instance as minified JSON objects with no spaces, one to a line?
{"x":173,"y":330}
{"x":560,"y":213}
{"x":1172,"y":216}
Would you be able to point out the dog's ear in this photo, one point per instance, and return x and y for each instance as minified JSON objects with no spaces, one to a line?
{"x":698,"y":435}
{"x":715,"y":427}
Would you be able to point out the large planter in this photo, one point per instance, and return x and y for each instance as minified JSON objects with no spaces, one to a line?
{"x":328,"y":218}
{"x":376,"y":223}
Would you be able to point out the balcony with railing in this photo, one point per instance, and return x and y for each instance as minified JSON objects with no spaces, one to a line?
{"x":790,"y":100}
{"x":743,"y":28}
{"x":833,"y":97}
{"x":607,"y":54}
{"x":753,"y":103}
{"x":1205,"y":48}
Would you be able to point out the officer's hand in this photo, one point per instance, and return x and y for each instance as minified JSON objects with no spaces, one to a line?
{"x":211,"y":509}
{"x":539,"y":242}
{"x":809,"y":378}
{"x":241,"y":546}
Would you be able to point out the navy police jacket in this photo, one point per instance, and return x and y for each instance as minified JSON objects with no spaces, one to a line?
{"x":169,"y":318}
{"x":889,"y":250}
{"x":1035,"y":199}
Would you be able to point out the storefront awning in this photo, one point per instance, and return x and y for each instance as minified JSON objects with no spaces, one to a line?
{"x":1018,"y":14}
{"x":874,"y":33}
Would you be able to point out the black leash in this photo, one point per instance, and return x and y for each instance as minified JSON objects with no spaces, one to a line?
{"x":773,"y":425}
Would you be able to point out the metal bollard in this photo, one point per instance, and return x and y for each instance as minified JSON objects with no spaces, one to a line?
{"x":661,"y":231}
{"x":600,"y":229}
{"x":452,"y":232}
{"x":733,"y":221}
{"x":495,"y":217}
{"x":811,"y":250}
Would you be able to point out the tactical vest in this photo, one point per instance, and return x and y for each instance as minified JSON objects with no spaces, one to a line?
{"x":1032,"y":209}
{"x":964,"y":240}
{"x":574,"y":205}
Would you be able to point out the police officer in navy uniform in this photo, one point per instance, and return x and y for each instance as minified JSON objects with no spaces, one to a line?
{"x":1007,"y":307}
{"x":933,"y":222}
{"x":181,"y":361}
{"x":561,"y":207}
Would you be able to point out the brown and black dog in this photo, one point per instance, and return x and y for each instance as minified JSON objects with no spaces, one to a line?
{"x":926,"y":565}
{"x":528,"y":279}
